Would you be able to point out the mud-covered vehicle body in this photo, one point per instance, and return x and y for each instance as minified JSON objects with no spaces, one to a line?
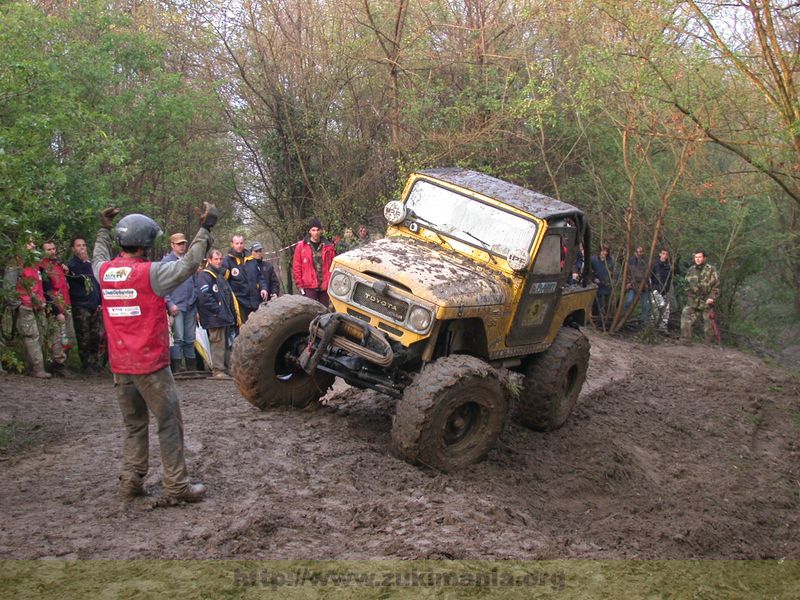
{"x":473,"y":275}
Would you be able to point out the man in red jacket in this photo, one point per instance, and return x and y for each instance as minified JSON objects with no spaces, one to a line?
{"x":311,"y":266}
{"x":59,"y":313}
{"x":23,"y":283}
{"x":133,"y":290}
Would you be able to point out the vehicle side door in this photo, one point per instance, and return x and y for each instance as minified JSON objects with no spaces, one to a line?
{"x":543,"y":286}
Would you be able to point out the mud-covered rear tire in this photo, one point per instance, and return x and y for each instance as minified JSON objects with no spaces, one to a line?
{"x":553,"y":381}
{"x":262,"y":360}
{"x":451,"y":415}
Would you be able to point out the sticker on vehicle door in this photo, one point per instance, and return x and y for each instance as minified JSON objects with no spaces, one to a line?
{"x":543,"y":287}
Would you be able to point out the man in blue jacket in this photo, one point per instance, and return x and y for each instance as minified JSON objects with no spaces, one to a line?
{"x":218,"y":310}
{"x":263,"y":273}
{"x":182,"y":306}
{"x":245,"y":280}
{"x":603,"y":273}
{"x":87,"y":316}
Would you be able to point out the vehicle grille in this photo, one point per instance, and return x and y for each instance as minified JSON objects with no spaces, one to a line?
{"x":389,"y":307}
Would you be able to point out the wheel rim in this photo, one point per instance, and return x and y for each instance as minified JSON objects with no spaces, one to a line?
{"x":462,"y":423}
{"x":286,"y":365}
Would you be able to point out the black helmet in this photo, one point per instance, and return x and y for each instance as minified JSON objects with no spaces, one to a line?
{"x":134,"y":231}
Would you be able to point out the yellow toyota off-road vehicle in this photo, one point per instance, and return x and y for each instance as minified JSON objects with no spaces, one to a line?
{"x":473,"y":275}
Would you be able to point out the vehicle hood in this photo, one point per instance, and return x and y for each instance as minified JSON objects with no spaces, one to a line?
{"x":431,"y":272}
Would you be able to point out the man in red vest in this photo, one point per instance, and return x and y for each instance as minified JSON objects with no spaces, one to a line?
{"x":59,"y":310}
{"x":23,"y":283}
{"x":133,"y":290}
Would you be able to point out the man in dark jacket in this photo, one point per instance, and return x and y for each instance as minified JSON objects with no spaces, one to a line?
{"x":603,"y":273}
{"x":638,"y":278}
{"x":84,"y":292}
{"x":218,"y":311}
{"x":267,"y":275}
{"x":182,"y":306}
{"x":241,"y":278}
{"x":661,"y":284}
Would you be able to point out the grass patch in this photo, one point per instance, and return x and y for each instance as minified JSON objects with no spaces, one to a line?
{"x":756,"y":419}
{"x":16,"y":436}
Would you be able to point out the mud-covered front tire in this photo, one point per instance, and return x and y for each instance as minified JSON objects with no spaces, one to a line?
{"x":451,"y":415}
{"x":263,"y":358}
{"x":553,"y":381}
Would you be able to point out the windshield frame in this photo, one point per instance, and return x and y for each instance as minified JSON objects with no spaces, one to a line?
{"x":470,"y":238}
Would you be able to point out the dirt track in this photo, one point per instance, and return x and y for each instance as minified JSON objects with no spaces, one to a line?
{"x":671,"y":453}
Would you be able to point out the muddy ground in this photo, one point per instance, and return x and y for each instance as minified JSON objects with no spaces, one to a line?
{"x":672,"y":452}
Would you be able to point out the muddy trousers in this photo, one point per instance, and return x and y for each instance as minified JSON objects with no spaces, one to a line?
{"x":139,"y":395}
{"x":28,"y":329}
{"x":689,"y":317}
{"x":218,"y":340}
{"x":87,"y":331}
{"x":57,"y":336}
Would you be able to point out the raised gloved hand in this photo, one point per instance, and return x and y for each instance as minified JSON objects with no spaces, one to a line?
{"x":107,"y":217}
{"x":209,"y":215}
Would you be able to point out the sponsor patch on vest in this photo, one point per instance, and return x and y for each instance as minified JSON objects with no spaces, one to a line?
{"x":124,"y":311}
{"x":117,"y":274}
{"x":125,"y":294}
{"x":234,"y":272}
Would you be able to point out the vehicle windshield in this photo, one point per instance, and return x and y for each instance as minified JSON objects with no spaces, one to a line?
{"x":468,"y":220}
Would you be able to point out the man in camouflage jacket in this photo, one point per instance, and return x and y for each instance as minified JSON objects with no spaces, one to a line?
{"x":702,"y":290}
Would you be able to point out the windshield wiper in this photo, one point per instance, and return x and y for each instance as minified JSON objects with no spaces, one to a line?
{"x":431,"y":226}
{"x":485,"y":245}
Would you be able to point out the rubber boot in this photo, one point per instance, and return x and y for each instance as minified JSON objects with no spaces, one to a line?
{"x":60,"y":370}
{"x":194,"y":492}
{"x":131,"y":486}
{"x":176,"y":365}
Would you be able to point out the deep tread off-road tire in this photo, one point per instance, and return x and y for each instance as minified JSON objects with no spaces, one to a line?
{"x":451,"y":415}
{"x":262,"y":361}
{"x":553,"y":380}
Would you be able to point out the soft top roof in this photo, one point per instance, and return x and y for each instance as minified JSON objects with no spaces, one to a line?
{"x":531,"y":202}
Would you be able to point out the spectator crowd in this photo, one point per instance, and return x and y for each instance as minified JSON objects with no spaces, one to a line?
{"x":58,"y":307}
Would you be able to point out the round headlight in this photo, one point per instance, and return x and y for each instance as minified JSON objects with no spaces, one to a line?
{"x":394,"y":212}
{"x":420,"y":318}
{"x":340,"y":284}
{"x":518,"y":259}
